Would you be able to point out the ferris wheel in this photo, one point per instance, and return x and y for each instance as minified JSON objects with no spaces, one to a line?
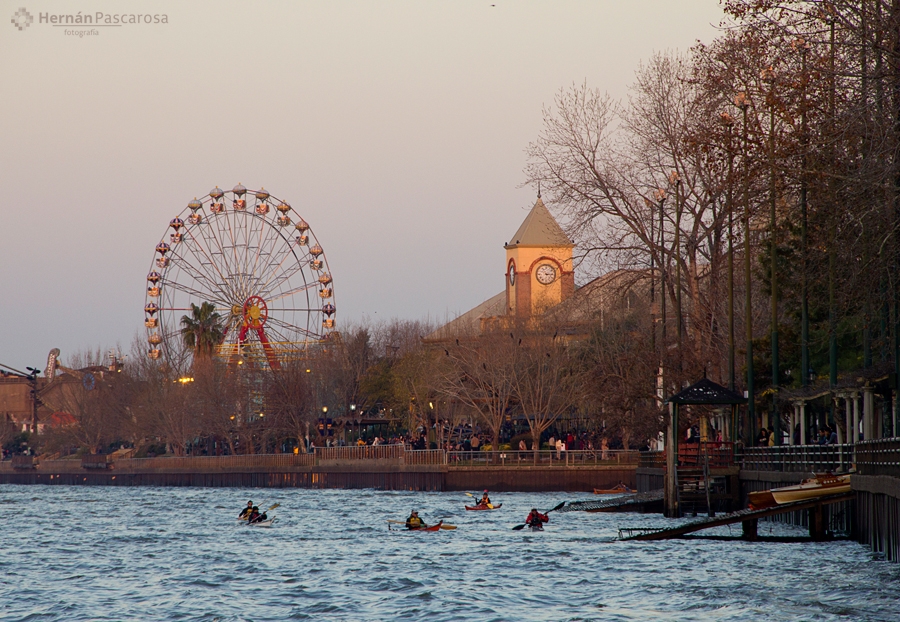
{"x":256,"y":262}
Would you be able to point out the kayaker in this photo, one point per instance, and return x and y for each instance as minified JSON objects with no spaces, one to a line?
{"x":485,"y":499}
{"x":414,"y":522}
{"x":246,"y":511}
{"x":261,"y":518}
{"x":256,"y":517}
{"x":536,"y":519}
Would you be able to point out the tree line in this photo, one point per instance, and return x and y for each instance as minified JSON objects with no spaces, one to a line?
{"x":756,"y":180}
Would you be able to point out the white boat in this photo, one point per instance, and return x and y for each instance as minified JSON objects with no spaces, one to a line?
{"x":819,"y":486}
{"x":265,"y":523}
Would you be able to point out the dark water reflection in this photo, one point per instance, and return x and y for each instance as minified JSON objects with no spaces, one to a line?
{"x":72,"y":553}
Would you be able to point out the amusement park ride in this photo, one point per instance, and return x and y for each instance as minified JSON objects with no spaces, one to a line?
{"x":252,"y":257}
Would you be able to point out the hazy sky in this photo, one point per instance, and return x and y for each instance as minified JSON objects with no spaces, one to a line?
{"x":396,"y":129}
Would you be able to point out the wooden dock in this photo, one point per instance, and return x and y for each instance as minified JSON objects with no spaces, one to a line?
{"x":748,"y":518}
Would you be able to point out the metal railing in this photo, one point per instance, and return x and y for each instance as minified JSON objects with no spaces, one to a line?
{"x":652,"y":460}
{"x":716,"y":454}
{"x":396,"y":453}
{"x":425,"y":457}
{"x":202,"y":463}
{"x":544,"y":457}
{"x":364,"y":452}
{"x":720,"y":454}
{"x":796,"y":458}
{"x":878,"y":457}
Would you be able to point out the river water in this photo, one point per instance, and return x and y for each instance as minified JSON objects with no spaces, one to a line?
{"x":85,"y":553}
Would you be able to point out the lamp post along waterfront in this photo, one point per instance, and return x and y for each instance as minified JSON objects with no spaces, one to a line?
{"x":663,"y":268}
{"x":650,"y":205}
{"x":804,"y":292}
{"x":768,"y":75}
{"x":832,"y":241}
{"x":743,"y":103}
{"x":729,"y":206}
{"x":676,"y":179}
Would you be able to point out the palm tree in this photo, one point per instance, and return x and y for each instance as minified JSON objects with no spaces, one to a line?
{"x":202,"y":330}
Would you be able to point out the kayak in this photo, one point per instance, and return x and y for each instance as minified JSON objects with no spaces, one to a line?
{"x":536,"y":527}
{"x":265,"y":523}
{"x":441,"y":525}
{"x":431,"y":528}
{"x":621,"y":488}
{"x":484,"y":507}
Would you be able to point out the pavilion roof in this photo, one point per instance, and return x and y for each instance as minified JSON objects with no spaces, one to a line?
{"x":705,"y":391}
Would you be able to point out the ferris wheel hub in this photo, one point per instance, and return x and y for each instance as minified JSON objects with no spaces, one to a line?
{"x":256,"y":311}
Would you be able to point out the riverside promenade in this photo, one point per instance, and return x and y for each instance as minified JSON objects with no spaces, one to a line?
{"x":385,"y":467}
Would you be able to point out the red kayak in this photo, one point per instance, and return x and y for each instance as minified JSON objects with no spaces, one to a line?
{"x":432,"y":528}
{"x":484,"y":507}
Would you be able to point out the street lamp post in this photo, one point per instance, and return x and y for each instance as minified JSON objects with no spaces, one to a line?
{"x":803,"y":46}
{"x":649,"y":204}
{"x":742,"y":101}
{"x":729,"y":201}
{"x":663,"y":269}
{"x":676,"y":179}
{"x":768,"y":75}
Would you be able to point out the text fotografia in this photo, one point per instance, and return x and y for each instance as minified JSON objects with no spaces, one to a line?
{"x":102,"y":19}
{"x":84,"y":32}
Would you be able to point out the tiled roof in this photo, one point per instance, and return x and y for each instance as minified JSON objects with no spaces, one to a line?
{"x":540,"y":229}
{"x":469,"y":323}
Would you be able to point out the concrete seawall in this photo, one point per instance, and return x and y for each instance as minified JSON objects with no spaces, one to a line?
{"x":379,"y":474}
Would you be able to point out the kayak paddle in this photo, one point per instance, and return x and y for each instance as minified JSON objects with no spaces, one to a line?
{"x":524,"y":525}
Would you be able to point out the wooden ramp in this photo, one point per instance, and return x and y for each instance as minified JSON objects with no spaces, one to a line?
{"x":625,"y":503}
{"x":747,"y":517}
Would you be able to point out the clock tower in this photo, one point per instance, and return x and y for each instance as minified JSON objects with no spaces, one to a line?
{"x":539,"y":270}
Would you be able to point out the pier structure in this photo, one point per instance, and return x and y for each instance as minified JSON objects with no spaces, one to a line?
{"x":749,"y":519}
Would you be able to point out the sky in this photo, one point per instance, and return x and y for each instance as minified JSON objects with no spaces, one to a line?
{"x":397,"y":129}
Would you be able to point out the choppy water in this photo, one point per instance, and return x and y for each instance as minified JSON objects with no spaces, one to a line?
{"x":80,"y":553}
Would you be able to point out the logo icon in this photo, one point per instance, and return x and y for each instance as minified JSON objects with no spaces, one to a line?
{"x":22,"y":19}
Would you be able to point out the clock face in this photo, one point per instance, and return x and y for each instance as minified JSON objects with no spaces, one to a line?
{"x":545,"y":274}
{"x":512,"y":274}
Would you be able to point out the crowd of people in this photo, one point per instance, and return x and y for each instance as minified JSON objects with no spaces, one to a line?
{"x":826,"y":435}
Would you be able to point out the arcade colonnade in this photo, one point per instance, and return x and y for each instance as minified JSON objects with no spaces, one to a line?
{"x":859,"y":418}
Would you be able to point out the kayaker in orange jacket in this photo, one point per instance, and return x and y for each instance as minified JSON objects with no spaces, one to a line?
{"x":485,"y":499}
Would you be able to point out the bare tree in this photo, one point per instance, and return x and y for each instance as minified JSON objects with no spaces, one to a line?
{"x":481,"y":376}
{"x":546,"y":381}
